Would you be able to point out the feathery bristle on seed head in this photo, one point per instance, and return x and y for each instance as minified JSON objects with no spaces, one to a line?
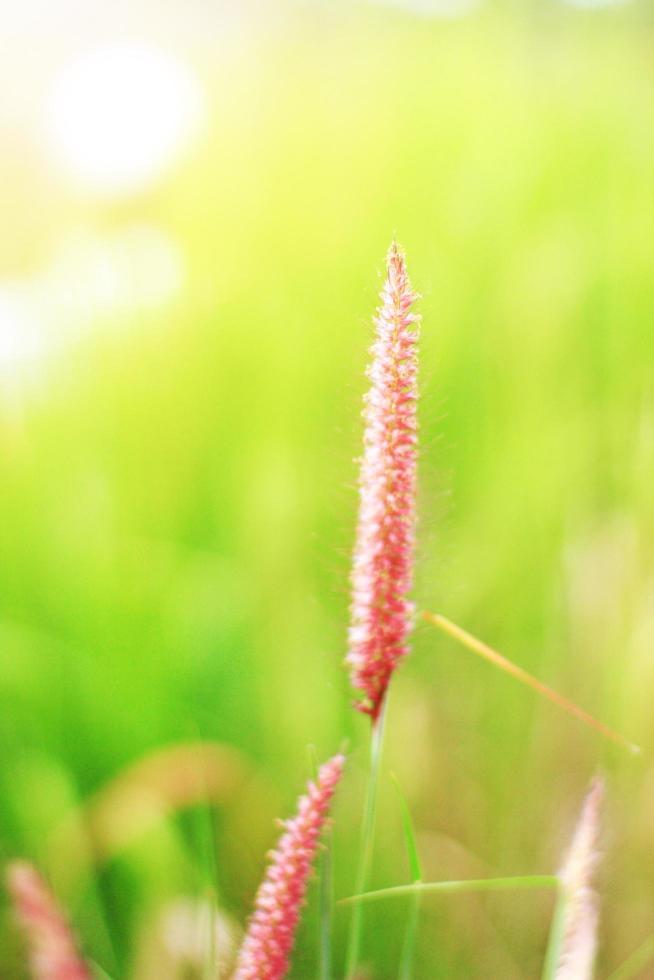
{"x":581,"y":909}
{"x":382,"y":572}
{"x":52,"y":949}
{"x":266,"y":949}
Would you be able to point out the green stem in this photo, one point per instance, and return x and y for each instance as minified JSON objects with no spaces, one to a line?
{"x":636,"y":962}
{"x":409,"y":947}
{"x":557,"y":935}
{"x":367,"y":842}
{"x":455,"y":887}
{"x":326,"y":902}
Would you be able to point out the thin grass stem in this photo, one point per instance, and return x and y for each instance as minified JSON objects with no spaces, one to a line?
{"x":498,"y":660}
{"x":325,"y":890}
{"x":455,"y":887}
{"x":410,"y":938}
{"x":556,"y":938}
{"x":326,"y":905}
{"x":367,"y":841}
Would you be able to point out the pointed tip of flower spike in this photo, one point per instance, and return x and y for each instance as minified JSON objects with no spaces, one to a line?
{"x":52,"y":948}
{"x":395,"y":253}
{"x":381,"y":614}
{"x":583,"y":854}
{"x":266,"y":949}
{"x":581,"y":904}
{"x":396,"y":258}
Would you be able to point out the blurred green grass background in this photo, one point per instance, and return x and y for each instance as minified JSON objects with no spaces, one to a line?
{"x":177,"y":485}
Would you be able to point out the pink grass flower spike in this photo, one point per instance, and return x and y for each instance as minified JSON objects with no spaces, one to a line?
{"x":382,"y":573}
{"x":581,"y":907}
{"x":53,"y":953}
{"x":266,"y":949}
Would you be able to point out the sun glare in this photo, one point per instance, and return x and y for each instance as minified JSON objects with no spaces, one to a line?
{"x":118,"y":116}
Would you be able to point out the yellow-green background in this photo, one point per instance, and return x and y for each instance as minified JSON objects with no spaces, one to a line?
{"x":178,"y":495}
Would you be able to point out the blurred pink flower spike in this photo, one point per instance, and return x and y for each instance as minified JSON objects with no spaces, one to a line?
{"x":52,"y":949}
{"x":581,"y":914}
{"x":382,"y":573}
{"x":266,"y":949}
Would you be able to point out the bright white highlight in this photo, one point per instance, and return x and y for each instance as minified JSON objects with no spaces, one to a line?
{"x":435,"y":8}
{"x":119,"y":115}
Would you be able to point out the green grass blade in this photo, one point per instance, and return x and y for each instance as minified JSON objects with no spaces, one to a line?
{"x":409,"y":946}
{"x":455,"y":887}
{"x":409,"y":833}
{"x":636,"y":962}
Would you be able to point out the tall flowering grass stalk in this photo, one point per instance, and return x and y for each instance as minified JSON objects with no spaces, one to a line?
{"x":266,"y":950}
{"x":381,"y":614}
{"x":52,"y":949}
{"x":382,"y":571}
{"x":573,"y":939}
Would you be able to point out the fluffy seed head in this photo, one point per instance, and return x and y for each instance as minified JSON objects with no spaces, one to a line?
{"x":382,"y":572}
{"x":53,"y":953}
{"x":265,"y":952}
{"x":581,"y":910}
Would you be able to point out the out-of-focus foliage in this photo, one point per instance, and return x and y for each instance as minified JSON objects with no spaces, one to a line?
{"x":177,"y":492}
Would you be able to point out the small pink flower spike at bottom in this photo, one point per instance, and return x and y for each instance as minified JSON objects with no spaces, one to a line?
{"x":382,"y":571}
{"x":580,"y":900}
{"x":52,"y":949}
{"x":266,"y":949}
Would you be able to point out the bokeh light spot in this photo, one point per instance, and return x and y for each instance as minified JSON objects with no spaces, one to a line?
{"x":119,"y":115}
